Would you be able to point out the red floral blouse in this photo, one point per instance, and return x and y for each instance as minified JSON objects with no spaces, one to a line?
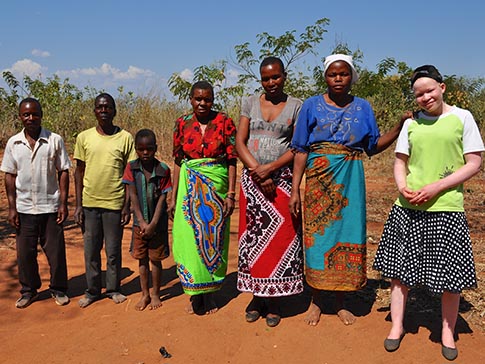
{"x":218,"y":140}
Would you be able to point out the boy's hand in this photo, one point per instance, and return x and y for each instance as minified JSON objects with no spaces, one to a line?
{"x":79,"y":216}
{"x":143,"y":227}
{"x":171,"y":209}
{"x":149,"y":231}
{"x":125,"y":216}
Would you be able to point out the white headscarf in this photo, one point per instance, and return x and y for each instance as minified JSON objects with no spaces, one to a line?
{"x":341,"y":57}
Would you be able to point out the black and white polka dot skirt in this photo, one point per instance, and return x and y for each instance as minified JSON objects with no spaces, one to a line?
{"x":427,"y":249}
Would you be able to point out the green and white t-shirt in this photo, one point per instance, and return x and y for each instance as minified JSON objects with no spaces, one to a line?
{"x":436,"y":147}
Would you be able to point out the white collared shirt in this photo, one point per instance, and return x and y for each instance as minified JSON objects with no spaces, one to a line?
{"x":36,"y":170}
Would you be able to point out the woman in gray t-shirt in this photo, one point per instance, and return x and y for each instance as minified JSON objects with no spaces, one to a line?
{"x":270,"y":246}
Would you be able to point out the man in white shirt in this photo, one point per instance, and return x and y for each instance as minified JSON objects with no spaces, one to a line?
{"x":36,"y":167}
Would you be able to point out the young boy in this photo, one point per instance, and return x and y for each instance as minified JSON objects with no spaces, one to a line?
{"x":148,"y":182}
{"x":36,"y":167}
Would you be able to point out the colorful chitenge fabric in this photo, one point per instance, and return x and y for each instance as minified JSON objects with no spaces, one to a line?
{"x":270,"y":245}
{"x":200,"y":236}
{"x":335,"y":219}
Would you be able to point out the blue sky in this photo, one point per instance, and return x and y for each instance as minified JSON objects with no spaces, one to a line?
{"x":140,"y":44}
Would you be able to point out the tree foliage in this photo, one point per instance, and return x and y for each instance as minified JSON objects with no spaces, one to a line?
{"x":68,"y":109}
{"x":288,"y":46}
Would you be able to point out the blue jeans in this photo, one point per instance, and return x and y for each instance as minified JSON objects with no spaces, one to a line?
{"x":102,"y":225}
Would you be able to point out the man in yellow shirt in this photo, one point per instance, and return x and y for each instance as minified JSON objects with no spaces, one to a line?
{"x":102,"y":207}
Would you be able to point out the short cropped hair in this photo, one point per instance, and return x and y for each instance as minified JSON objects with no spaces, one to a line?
{"x":31,"y":100}
{"x":201,"y":85}
{"x":272,"y":60}
{"x":145,"y":133}
{"x":105,"y":95}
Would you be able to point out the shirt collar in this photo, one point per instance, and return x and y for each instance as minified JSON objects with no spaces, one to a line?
{"x":43,"y":136}
{"x":159,"y":170}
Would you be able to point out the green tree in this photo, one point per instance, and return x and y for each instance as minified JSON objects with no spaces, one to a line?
{"x":288,"y":46}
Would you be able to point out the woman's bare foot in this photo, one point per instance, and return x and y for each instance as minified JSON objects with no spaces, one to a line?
{"x":155,"y":302}
{"x":346,"y":316}
{"x":143,"y":303}
{"x":189,"y":308}
{"x":313,"y":315}
{"x":210,"y":305}
{"x":195,"y":304}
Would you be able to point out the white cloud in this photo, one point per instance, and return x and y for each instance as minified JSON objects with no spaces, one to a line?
{"x":109,"y":78}
{"x":27,"y":67}
{"x":232,"y":76}
{"x":108,"y":71}
{"x":187,"y":75}
{"x":40,"y":53}
{"x":105,"y":77}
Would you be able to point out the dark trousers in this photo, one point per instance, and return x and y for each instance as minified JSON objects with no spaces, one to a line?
{"x":102,"y":225}
{"x":43,"y":229}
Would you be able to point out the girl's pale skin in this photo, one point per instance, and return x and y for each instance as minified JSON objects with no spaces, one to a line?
{"x":429,"y":96}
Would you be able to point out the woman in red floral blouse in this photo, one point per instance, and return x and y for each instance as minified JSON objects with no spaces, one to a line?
{"x":203,"y":197}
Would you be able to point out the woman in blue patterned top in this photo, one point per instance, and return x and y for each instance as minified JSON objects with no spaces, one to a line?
{"x":331,"y":134}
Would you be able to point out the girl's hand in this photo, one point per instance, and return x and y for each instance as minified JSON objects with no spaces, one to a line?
{"x":143,"y":226}
{"x":424,"y":194}
{"x":407,"y":193}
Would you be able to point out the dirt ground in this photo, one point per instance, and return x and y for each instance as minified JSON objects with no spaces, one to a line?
{"x":109,"y":333}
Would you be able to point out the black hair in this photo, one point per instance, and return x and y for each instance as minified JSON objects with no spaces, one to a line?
{"x":105,"y":95}
{"x":31,"y":100}
{"x":145,"y":133}
{"x":201,"y":85}
{"x":272,"y":60}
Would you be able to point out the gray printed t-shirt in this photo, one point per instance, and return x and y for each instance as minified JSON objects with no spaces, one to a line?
{"x":269,"y":140}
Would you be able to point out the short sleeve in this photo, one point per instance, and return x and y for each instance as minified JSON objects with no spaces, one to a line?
{"x":402,"y":144}
{"x":79,"y":150}
{"x":178,"y":152}
{"x":128,"y":175}
{"x":301,"y":132}
{"x":246,"y":107}
{"x":230,"y":137}
{"x":9,"y":165}
{"x":63,"y":162}
{"x":374,"y":133}
{"x":130,"y":149}
{"x":472,"y":140}
{"x":166,"y":183}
